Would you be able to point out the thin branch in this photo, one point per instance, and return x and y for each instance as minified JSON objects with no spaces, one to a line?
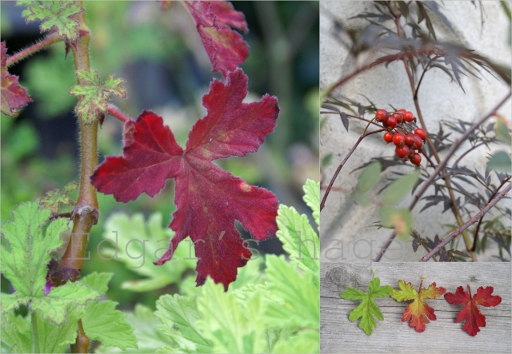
{"x":441,"y":166}
{"x":455,"y":164}
{"x":467,"y":224}
{"x":364,"y":135}
{"x":34,"y":48}
{"x":477,"y":230}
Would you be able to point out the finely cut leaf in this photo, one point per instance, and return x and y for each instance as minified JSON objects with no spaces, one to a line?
{"x":418,"y":310}
{"x":149,"y":340}
{"x":312,"y":198}
{"x":102,"y":322}
{"x":300,"y":302}
{"x":178,"y":315}
{"x":208,"y":199}
{"x":225,"y":47}
{"x":93,"y":95}
{"x":298,"y":238}
{"x":472,"y":316}
{"x":136,"y":242}
{"x":229,"y":326}
{"x":53,"y":199}
{"x":57,"y":15}
{"x":14,"y":97}
{"x":367,"y":309}
{"x":24,"y":263}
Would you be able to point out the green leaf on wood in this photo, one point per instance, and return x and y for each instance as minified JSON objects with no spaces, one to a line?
{"x":367,"y":309}
{"x":93,"y":95}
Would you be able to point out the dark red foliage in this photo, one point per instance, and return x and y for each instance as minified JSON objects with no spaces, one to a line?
{"x":472,"y":316}
{"x":225,"y":47}
{"x":208,"y":199}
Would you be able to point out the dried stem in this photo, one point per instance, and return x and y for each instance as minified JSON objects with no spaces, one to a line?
{"x":467,"y":224}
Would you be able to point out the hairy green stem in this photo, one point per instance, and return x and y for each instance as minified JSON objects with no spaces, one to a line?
{"x":85,"y":213}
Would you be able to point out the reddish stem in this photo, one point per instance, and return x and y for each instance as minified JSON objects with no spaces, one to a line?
{"x":34,"y":48}
{"x":114,"y":112}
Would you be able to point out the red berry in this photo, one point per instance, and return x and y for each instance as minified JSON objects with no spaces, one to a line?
{"x":418,"y":142}
{"x":399,"y":117}
{"x":416,"y":158}
{"x":401,"y":110}
{"x":398,"y":139}
{"x":388,"y":137}
{"x":408,"y":116}
{"x":390,"y":123}
{"x":421,"y":133}
{"x":381,"y":115}
{"x":410,"y":140}
{"x":403,"y":151}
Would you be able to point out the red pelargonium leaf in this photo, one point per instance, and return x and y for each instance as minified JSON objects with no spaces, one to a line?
{"x":14,"y":97}
{"x":224,"y":46}
{"x":470,"y":313}
{"x":208,"y":199}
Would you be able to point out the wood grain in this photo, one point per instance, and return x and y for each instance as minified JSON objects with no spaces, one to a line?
{"x":339,"y":335}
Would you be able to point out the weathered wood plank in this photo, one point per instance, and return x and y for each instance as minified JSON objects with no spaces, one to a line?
{"x":339,"y":335}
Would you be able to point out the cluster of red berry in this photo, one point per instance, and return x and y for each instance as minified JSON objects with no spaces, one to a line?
{"x":406,"y":142}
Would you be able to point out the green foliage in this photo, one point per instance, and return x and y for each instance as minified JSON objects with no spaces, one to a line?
{"x":367,"y":309}
{"x":367,"y":180}
{"x":136,"y":244}
{"x":104,"y":323}
{"x":272,"y":312}
{"x":55,"y":15}
{"x":398,"y":219}
{"x":27,"y":248}
{"x":400,"y":187}
{"x":93,"y":95}
{"x":53,"y":199}
{"x":27,"y":243}
{"x":500,"y":161}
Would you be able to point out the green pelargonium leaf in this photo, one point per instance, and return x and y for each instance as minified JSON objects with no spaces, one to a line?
{"x":24,"y":263}
{"x":93,"y":96}
{"x":53,"y":199}
{"x":55,"y":15}
{"x":367,"y":309}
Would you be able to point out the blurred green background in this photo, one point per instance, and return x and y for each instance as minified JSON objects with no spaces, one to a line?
{"x":161,"y":57}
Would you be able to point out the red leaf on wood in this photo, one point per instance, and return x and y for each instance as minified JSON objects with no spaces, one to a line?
{"x":14,"y":97}
{"x":208,"y":199}
{"x":470,"y":313}
{"x":224,"y":46}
